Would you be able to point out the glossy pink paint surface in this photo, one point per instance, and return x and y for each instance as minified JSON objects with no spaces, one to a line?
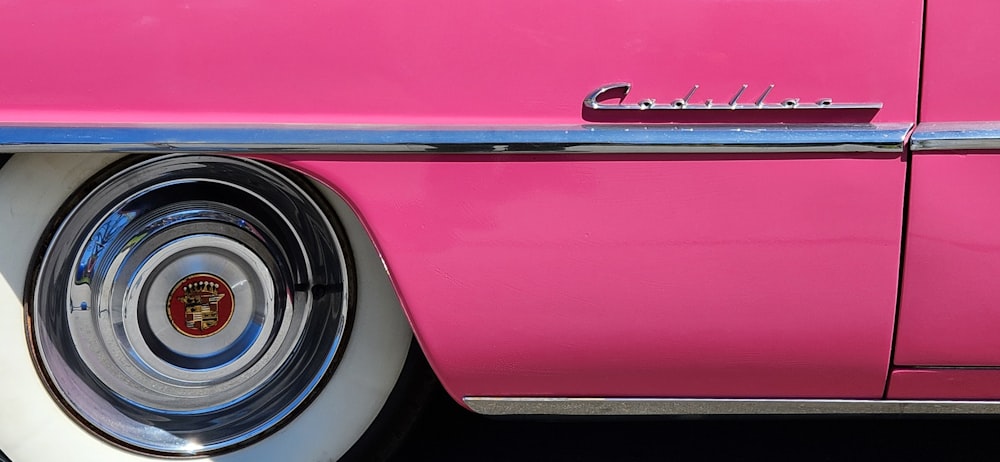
{"x":548,"y":275}
{"x":439,"y":62}
{"x":687,"y":275}
{"x":948,"y":309}
{"x":961,"y":62}
{"x":956,"y":384}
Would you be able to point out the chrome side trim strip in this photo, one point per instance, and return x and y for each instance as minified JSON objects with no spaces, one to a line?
{"x":772,"y":138}
{"x":643,"y":406}
{"x":941,"y":136}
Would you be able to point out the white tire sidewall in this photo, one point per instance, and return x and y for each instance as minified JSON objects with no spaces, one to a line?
{"x":33,"y":427}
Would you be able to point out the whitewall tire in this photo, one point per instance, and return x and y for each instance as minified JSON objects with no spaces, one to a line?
{"x":50,"y":409}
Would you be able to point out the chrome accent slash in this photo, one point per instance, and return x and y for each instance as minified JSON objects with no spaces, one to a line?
{"x":643,"y":406}
{"x":576,"y":139}
{"x":622,"y":89}
{"x":946,"y":136}
{"x":734,"y":99}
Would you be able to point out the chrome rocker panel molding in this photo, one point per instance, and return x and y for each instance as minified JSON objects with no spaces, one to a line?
{"x":370,"y":139}
{"x":650,"y":406}
{"x":953,"y":136}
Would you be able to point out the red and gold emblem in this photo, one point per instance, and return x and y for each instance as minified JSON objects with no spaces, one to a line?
{"x":200,"y":305}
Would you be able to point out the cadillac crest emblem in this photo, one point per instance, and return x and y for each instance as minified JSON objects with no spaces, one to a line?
{"x":200,"y":305}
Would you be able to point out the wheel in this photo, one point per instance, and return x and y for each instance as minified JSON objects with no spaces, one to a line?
{"x":181,"y":306}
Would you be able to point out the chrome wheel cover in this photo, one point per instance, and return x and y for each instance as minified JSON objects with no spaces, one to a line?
{"x":188,"y":305}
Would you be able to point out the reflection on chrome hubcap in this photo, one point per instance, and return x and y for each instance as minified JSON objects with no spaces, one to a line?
{"x":189,"y":304}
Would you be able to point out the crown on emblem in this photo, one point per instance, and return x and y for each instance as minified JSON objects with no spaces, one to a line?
{"x":194,"y":292}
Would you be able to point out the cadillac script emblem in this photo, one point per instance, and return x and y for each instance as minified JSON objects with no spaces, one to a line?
{"x":620,"y":90}
{"x":200,"y":305}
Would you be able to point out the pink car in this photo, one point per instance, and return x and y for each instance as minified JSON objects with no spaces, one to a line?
{"x":235,"y":228}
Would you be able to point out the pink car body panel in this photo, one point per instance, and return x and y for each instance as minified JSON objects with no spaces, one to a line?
{"x":960,"y":58}
{"x":686,"y":275}
{"x":607,"y":275}
{"x":439,"y":62}
{"x":945,"y":384}
{"x":948,"y":314}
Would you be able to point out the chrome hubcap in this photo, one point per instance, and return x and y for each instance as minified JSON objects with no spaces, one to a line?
{"x":189,"y":304}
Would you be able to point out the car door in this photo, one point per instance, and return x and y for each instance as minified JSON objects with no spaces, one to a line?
{"x":947,"y":345}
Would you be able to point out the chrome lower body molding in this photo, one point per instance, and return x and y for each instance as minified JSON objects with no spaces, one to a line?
{"x":655,"y":406}
{"x":567,"y":139}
